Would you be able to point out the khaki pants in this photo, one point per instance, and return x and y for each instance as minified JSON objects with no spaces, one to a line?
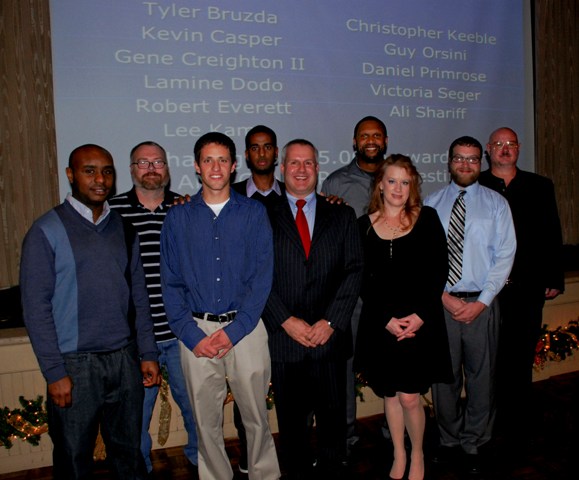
{"x":247,"y":367}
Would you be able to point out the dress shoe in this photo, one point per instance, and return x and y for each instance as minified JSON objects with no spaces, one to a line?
{"x":444,"y":455}
{"x":473,"y":464}
{"x":242,"y":466}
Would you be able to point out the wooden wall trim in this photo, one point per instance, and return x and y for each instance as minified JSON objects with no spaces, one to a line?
{"x":28,"y":162}
{"x":557,"y":105}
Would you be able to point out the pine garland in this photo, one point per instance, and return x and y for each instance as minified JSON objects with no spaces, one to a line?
{"x":556,"y":345}
{"x":27,"y":423}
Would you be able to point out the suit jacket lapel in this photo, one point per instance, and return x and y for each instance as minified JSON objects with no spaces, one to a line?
{"x":287,"y":223}
{"x":322,"y":219}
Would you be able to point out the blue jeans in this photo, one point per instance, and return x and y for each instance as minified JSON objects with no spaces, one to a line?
{"x":107,"y":391}
{"x":169,"y":357}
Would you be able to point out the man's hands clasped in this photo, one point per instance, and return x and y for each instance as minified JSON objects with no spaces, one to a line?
{"x":216,"y":345}
{"x":310,"y":336}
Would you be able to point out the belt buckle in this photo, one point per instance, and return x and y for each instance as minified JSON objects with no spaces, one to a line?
{"x":223,"y":317}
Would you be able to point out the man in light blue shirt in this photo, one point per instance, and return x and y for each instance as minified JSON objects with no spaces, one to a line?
{"x":472,"y":319}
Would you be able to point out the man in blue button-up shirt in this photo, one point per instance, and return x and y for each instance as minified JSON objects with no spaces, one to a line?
{"x":216,"y":274}
{"x":472,"y":319}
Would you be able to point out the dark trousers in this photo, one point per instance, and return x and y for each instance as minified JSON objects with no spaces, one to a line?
{"x":351,"y":435}
{"x":300,"y":388}
{"x":521,"y":317}
{"x":107,"y":391}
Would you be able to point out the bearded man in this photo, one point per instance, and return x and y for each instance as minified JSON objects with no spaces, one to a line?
{"x":353,"y":183}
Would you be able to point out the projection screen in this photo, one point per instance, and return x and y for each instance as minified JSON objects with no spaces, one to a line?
{"x":128,"y":71}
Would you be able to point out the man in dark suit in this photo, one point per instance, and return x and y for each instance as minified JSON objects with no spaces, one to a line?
{"x":317,"y":276}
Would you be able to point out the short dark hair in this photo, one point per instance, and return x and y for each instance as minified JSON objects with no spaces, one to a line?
{"x":148,"y":143}
{"x":260,"y":129}
{"x":368,"y":119}
{"x":464,"y":141}
{"x":298,"y":141}
{"x":214,"y":137}
{"x":87,"y":146}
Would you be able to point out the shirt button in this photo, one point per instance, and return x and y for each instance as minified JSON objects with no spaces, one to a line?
{"x":218,"y":279}
{"x":217,"y":259}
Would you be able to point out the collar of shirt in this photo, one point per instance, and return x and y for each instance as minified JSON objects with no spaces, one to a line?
{"x":471,"y":190}
{"x":251,"y":188}
{"x":356,"y":168}
{"x":167,"y":202}
{"x":309,"y":209}
{"x":86,"y":212}
{"x":217,"y":207}
{"x":198,"y":199}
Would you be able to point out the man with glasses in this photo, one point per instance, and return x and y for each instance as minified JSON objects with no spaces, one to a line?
{"x":145,"y":206}
{"x":481,"y":242}
{"x":537,"y":275}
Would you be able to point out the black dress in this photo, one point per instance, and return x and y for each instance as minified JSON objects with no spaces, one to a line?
{"x":404,"y":276}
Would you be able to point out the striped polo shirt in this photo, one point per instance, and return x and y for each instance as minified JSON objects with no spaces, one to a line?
{"x":148,"y":225}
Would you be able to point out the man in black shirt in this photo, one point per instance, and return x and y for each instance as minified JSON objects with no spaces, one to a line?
{"x":537,"y":275}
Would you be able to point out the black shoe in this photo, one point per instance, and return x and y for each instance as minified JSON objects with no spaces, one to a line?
{"x":472,"y":463}
{"x":444,"y":455}
{"x":331,"y":472}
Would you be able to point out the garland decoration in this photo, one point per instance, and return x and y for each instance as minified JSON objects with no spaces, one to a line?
{"x":360,"y":383}
{"x":99,"y":453}
{"x":27,"y":423}
{"x":165,"y":408}
{"x":268,"y":398}
{"x":269,"y":401}
{"x":556,"y":345}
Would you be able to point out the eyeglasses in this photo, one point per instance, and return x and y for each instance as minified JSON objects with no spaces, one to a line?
{"x":145,"y":164}
{"x":509,"y":144}
{"x":461,"y":159}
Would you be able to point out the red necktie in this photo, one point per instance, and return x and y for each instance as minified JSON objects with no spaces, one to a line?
{"x":302,"y":225}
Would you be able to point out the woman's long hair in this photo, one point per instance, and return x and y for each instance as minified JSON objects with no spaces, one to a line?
{"x":412,"y":206}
